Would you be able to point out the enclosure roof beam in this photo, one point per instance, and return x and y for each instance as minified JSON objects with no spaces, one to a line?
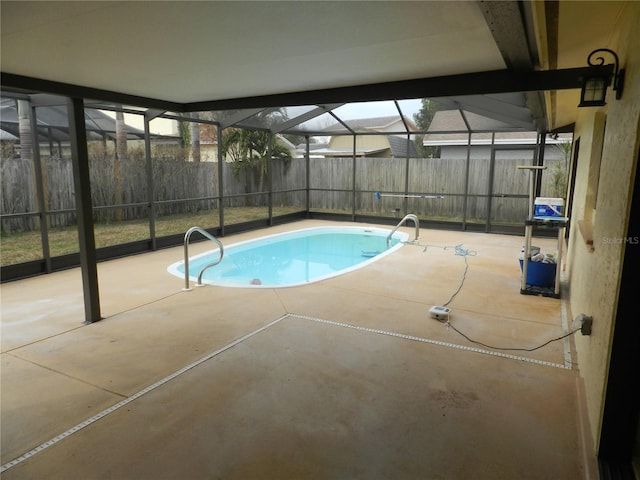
{"x":239,"y":116}
{"x":339,"y":120}
{"x":465,"y":120}
{"x":492,"y":107}
{"x":153,"y":113}
{"x":404,"y":121}
{"x":316,"y":112}
{"x":46,"y":100}
{"x":480,"y":83}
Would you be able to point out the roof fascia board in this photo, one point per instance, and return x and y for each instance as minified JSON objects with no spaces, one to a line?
{"x":505,"y":21}
{"x":481,"y":83}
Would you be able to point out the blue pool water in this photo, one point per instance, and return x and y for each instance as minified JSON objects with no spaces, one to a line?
{"x":293,"y":258}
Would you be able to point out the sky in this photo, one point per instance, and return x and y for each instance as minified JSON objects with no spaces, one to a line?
{"x":347,"y":112}
{"x":379,"y":109}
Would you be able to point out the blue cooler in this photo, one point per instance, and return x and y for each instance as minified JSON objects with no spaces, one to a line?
{"x":540,"y":274}
{"x":548,"y":207}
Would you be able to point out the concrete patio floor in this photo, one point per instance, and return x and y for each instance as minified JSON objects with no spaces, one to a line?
{"x":347,"y":378}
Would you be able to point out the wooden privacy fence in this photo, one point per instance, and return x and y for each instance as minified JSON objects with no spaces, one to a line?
{"x":331,"y":183}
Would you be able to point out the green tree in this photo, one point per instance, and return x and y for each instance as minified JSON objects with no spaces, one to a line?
{"x":423,"y":120}
{"x":248,"y":150}
{"x":559,"y":173}
{"x":248,"y":153}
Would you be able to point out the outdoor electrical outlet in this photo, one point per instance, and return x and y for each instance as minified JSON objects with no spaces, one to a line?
{"x":587,"y":322}
{"x":584,"y":323}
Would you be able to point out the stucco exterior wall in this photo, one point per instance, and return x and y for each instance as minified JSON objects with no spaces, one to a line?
{"x":594,"y":276}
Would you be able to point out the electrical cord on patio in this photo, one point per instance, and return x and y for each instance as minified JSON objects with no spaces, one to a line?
{"x":464,"y":253}
{"x":449,"y":324}
{"x":459,"y":251}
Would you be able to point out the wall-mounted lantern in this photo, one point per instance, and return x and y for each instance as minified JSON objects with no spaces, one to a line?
{"x":594,"y":88}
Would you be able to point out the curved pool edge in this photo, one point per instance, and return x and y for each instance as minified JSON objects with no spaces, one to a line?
{"x":402,"y":238}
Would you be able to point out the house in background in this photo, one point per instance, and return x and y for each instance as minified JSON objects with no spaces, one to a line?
{"x":387,"y":124}
{"x":367,"y":143}
{"x":53,"y":128}
{"x":450,"y":133}
{"x":458,"y":136}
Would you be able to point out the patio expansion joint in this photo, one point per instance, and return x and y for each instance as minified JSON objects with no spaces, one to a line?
{"x":135,"y":396}
{"x":434,"y":342}
{"x":11,"y":350}
{"x":64,"y":374}
{"x":232,"y":344}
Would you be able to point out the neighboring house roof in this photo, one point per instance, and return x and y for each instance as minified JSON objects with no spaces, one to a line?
{"x":344,"y":152}
{"x":7,"y":137}
{"x":393,"y":145}
{"x":283,"y":140}
{"x":396,"y":147}
{"x":53,"y":123}
{"x":314,"y":148}
{"x":378,"y":124}
{"x":402,"y":147}
{"x":485,"y":128}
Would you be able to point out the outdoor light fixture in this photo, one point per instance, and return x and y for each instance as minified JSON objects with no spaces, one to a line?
{"x":594,"y":89}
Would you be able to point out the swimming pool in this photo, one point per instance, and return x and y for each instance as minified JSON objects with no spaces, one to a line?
{"x":293,"y":258}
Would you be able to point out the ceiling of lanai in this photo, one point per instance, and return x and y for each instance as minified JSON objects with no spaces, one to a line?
{"x":215,"y":53}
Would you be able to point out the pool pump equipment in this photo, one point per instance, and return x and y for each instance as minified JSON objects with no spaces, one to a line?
{"x":440,"y":313}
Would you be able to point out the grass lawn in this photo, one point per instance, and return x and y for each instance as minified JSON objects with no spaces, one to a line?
{"x":26,"y":246}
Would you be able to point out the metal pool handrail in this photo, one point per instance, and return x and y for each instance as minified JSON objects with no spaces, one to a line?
{"x":187,"y":236}
{"x":411,"y":217}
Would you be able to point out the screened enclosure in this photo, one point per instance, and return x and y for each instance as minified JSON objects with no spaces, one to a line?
{"x":154,"y":174}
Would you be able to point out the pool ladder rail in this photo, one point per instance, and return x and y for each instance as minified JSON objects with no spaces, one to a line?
{"x":187,"y":237}
{"x":414,"y":219}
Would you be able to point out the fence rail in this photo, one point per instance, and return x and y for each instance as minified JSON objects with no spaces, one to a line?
{"x":120,"y":188}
